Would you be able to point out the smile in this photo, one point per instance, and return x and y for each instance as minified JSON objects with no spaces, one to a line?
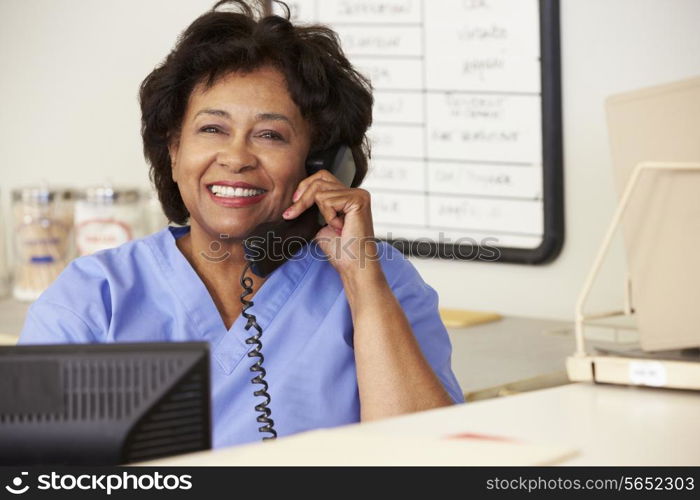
{"x":233,"y":192}
{"x":238,"y":195}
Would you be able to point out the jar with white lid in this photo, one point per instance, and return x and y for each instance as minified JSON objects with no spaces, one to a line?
{"x":43,"y":223}
{"x":106,"y":217}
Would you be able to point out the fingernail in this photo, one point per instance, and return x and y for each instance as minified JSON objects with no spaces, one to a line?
{"x":286,"y":213}
{"x":295,"y":196}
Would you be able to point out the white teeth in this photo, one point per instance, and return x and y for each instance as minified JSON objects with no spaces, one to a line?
{"x":231,"y":192}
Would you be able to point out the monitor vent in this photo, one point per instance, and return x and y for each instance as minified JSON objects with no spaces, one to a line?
{"x":177,"y":424}
{"x":106,"y":389}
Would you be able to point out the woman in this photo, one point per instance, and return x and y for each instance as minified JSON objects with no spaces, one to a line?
{"x":228,"y":120}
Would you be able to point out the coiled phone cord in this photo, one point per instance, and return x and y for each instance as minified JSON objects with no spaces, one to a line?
{"x":257,"y":368}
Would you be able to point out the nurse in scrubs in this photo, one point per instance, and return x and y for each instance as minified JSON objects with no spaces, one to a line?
{"x":351,"y":331}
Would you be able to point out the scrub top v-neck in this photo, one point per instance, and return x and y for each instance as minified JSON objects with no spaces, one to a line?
{"x":147,"y":291}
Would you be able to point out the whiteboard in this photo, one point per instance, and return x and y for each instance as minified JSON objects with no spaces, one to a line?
{"x":466,"y":136}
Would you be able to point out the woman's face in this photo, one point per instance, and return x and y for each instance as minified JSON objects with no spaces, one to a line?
{"x":240,"y":154}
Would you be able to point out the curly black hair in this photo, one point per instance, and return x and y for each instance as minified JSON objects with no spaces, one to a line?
{"x":332,"y":96}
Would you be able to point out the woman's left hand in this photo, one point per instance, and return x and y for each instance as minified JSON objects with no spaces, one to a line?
{"x":348,"y":239}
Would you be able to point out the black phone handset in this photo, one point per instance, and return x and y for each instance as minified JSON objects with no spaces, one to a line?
{"x":261,"y":261}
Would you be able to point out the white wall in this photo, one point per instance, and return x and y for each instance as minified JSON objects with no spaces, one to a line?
{"x":70,"y":71}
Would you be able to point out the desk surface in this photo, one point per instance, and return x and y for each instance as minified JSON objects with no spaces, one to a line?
{"x":608,"y":425}
{"x":509,"y":350}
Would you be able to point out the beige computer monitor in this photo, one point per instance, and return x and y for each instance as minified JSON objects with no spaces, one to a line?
{"x":662,"y":226}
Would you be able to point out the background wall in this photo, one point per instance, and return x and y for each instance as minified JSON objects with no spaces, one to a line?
{"x":70,"y":71}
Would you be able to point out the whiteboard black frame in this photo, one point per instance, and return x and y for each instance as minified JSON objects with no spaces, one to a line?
{"x":552,"y":167}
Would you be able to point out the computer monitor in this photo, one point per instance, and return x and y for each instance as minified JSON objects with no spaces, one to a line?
{"x":103,"y":404}
{"x":660,"y":226}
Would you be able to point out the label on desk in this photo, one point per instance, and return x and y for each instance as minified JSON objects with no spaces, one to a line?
{"x":651,"y":373}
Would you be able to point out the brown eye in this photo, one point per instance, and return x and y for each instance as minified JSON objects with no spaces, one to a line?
{"x":271,"y":134}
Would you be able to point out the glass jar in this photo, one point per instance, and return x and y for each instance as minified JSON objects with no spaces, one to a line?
{"x":106,"y":217}
{"x":43,"y":221}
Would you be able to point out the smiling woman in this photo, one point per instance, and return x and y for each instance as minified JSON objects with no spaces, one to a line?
{"x":228,"y":121}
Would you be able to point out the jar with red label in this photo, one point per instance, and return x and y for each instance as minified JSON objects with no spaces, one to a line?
{"x":106,"y":217}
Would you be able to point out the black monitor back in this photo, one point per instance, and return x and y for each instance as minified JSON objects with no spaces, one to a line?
{"x":103,"y":404}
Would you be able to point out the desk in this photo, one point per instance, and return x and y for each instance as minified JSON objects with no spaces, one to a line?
{"x":511,"y":355}
{"x":608,"y":425}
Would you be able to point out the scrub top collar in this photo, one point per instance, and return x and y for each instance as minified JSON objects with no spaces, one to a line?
{"x":197,"y":302}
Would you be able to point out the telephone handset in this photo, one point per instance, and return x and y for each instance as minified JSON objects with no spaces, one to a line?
{"x":259,"y":248}
{"x":262,"y":259}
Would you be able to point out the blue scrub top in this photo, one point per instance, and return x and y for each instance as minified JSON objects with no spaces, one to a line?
{"x":146,"y":291}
